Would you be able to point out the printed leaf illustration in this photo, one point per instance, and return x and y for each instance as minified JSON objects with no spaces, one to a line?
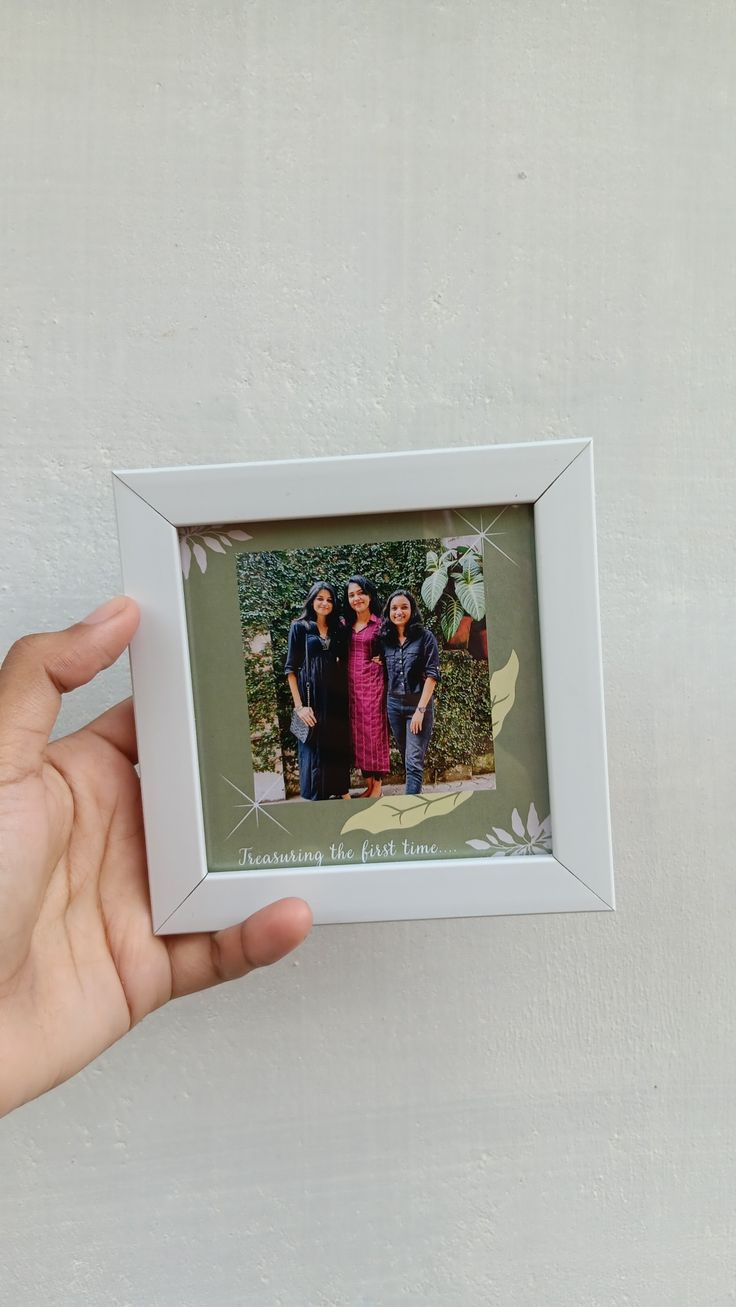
{"x":503,"y":692}
{"x":396,"y":812}
{"x":186,"y":558}
{"x":194,"y":539}
{"x":535,"y":837}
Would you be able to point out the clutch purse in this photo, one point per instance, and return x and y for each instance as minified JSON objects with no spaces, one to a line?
{"x":300,"y":729}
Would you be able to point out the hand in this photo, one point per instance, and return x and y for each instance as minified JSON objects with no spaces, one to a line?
{"x":79,"y":965}
{"x":416,"y":723}
{"x":306,"y":715}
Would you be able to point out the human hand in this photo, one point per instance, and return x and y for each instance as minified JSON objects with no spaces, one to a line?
{"x":416,"y":723}
{"x":79,"y":965}
{"x":306,"y":715}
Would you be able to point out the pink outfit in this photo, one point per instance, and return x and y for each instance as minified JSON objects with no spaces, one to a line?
{"x":367,"y":689}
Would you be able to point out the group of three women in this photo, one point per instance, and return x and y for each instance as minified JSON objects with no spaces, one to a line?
{"x":351,"y":679}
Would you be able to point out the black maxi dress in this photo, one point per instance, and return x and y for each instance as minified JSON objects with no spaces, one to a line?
{"x":324,"y":765}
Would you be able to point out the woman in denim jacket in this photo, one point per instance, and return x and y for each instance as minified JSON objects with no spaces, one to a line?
{"x":412,"y":658}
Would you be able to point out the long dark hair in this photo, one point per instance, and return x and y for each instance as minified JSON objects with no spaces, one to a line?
{"x":414,"y":626}
{"x":368,"y":588}
{"x":308,"y":614}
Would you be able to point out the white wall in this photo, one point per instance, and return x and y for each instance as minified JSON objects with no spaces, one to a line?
{"x":241,"y":230}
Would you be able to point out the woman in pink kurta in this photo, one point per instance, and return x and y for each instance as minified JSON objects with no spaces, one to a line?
{"x":367,"y":686}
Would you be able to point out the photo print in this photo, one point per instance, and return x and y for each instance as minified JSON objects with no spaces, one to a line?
{"x":377,"y":653}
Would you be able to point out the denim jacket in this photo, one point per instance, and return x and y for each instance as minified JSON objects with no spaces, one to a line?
{"x":409,"y":665}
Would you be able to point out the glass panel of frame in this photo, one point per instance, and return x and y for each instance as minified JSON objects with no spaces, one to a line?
{"x":408,"y":645}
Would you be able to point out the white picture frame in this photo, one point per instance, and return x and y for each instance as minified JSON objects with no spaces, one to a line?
{"x":557,"y":478}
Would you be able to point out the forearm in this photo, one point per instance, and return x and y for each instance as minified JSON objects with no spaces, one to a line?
{"x":426,"y":695}
{"x":294,"y":687}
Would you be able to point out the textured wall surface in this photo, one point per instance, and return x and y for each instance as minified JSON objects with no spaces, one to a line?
{"x":249,"y":229}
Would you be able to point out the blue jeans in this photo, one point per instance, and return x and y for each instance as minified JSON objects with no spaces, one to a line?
{"x":413,"y":748}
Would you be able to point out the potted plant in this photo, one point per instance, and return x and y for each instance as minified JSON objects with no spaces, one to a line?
{"x":454,"y":585}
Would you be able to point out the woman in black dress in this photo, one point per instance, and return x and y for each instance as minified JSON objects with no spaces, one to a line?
{"x":317,"y":671}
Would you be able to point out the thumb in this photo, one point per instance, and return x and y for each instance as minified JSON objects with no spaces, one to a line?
{"x":40,"y":668}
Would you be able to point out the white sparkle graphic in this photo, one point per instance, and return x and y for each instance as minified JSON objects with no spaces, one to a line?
{"x":253,"y":806}
{"x":484,"y":534}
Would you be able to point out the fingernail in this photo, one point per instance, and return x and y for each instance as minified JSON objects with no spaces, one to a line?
{"x":105,"y":611}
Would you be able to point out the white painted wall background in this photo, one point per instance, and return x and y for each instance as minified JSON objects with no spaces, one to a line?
{"x":244,"y":230}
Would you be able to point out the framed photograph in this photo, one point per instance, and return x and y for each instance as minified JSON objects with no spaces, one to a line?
{"x":371,"y":681}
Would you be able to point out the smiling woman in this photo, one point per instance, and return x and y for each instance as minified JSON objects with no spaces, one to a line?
{"x":412,"y":659}
{"x":367,"y":685}
{"x":316,"y":670}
